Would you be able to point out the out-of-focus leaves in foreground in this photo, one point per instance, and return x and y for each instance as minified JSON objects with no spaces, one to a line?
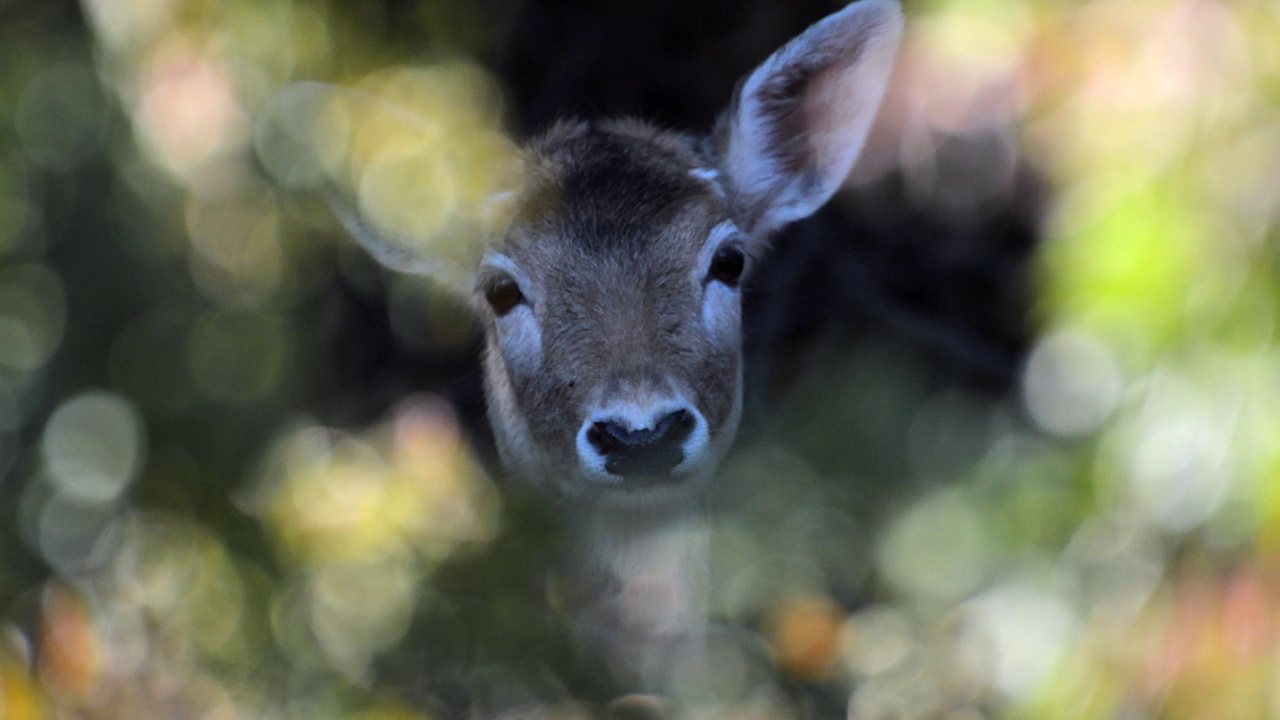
{"x":178,"y":539}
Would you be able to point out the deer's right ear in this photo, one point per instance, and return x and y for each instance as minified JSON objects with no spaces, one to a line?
{"x":421,"y":193}
{"x":799,"y":121}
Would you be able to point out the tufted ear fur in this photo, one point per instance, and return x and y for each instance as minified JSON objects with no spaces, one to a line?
{"x":799,"y":120}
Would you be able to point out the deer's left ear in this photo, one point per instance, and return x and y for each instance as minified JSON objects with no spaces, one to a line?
{"x":799,"y":121}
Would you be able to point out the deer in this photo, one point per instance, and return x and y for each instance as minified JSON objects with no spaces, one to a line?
{"x":610,"y":300}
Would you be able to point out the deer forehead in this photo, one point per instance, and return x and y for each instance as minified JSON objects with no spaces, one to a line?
{"x":614,"y":196}
{"x":610,"y":242}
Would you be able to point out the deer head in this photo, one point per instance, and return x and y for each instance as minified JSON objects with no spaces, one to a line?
{"x":611,"y":298}
{"x":609,"y":288}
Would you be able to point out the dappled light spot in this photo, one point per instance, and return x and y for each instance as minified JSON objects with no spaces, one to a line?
{"x":410,"y":486}
{"x":93,"y":445}
{"x":1019,"y":631}
{"x":188,"y":112}
{"x":728,"y":681}
{"x":969,"y":59}
{"x":132,"y":643}
{"x":1179,"y":452}
{"x":20,"y":696}
{"x":32,"y":316}
{"x":416,"y":153}
{"x":876,"y":640}
{"x":125,"y":24}
{"x":71,"y":654}
{"x":939,"y":550}
{"x":175,"y":573}
{"x":358,"y":609}
{"x":75,"y":535}
{"x":366,"y":520}
{"x":235,"y":236}
{"x":806,"y":638}
{"x":1071,"y":383}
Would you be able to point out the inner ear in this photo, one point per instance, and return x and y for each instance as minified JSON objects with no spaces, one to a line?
{"x":799,"y":121}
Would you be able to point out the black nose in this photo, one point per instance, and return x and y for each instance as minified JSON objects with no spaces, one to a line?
{"x":643,"y":451}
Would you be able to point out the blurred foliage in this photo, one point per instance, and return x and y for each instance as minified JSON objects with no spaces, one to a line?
{"x":202,"y":514}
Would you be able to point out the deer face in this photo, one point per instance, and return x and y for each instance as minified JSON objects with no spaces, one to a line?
{"x":611,"y":299}
{"x":612,"y":314}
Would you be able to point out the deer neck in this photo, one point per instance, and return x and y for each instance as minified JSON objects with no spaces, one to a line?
{"x":639,"y":582}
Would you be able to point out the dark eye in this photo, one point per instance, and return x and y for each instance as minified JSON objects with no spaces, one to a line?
{"x":503,"y":294}
{"x":727,"y":265}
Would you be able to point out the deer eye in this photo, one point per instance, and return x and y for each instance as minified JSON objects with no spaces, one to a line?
{"x":503,"y":294}
{"x":727,"y":265}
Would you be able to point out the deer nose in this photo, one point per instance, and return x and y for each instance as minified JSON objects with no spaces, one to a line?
{"x":642,"y":451}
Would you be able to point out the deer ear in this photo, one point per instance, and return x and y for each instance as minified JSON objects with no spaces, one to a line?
{"x":416,"y":189}
{"x":799,"y":121}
